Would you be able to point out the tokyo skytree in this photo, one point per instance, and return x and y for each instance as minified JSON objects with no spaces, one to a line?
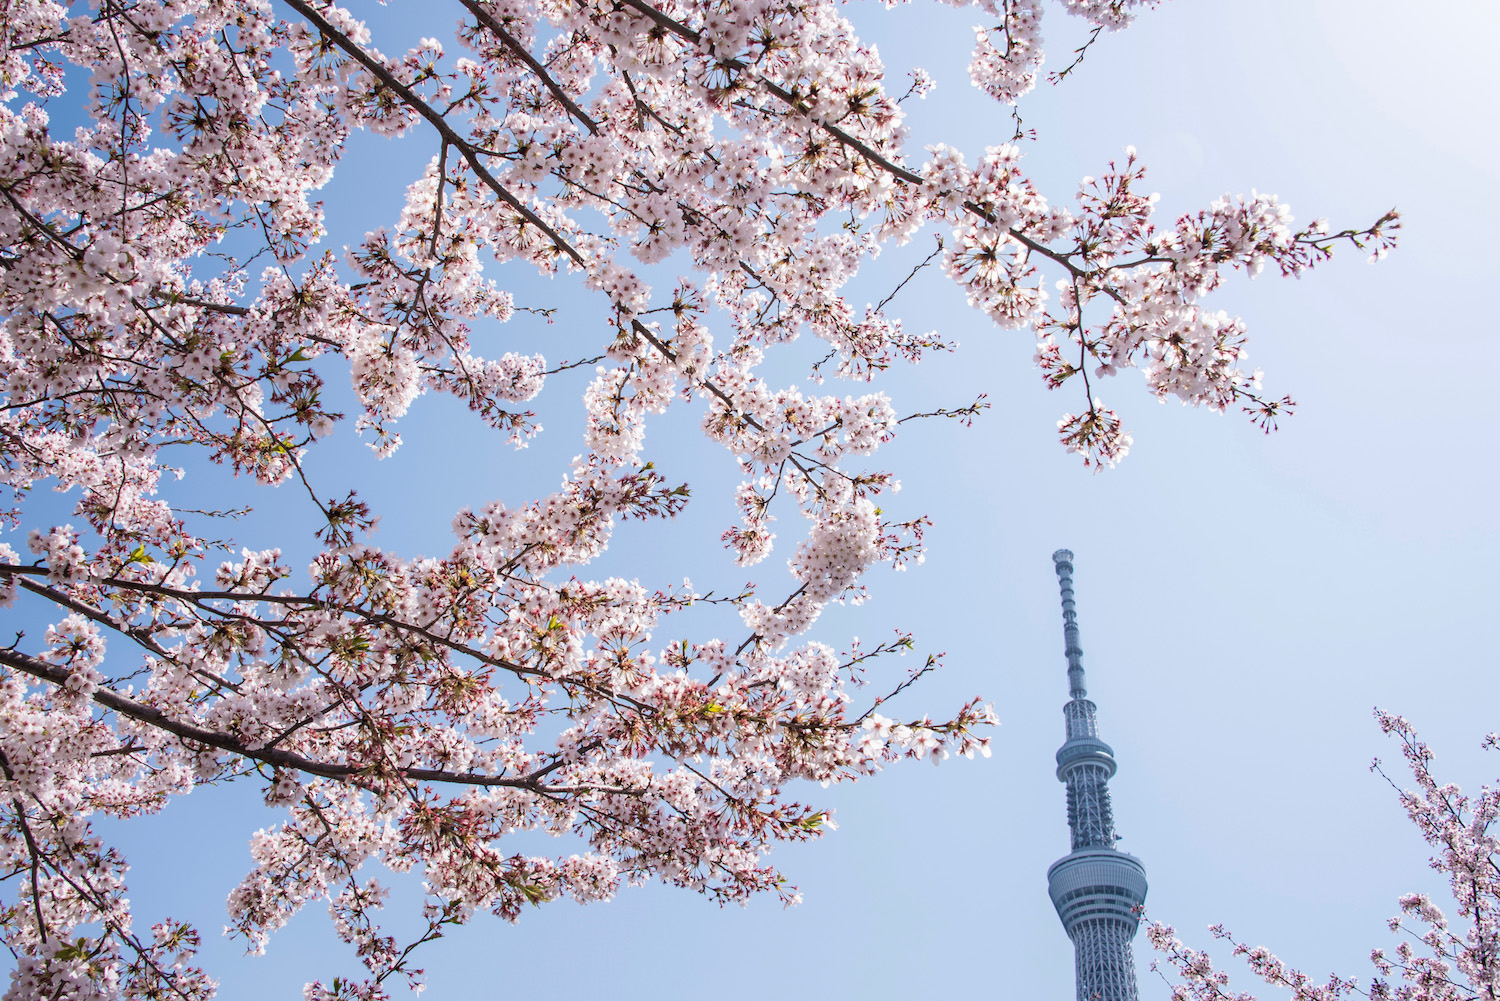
{"x":1096,"y":888}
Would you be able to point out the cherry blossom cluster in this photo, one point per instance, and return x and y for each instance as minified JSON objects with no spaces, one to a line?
{"x":169,"y":298}
{"x":1435,"y":960}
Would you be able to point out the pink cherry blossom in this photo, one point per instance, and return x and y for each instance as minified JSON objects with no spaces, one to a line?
{"x":171,"y":297}
{"x":1435,"y":959}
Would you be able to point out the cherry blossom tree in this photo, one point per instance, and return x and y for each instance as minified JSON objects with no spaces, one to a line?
{"x":1434,"y":959}
{"x":165,"y":282}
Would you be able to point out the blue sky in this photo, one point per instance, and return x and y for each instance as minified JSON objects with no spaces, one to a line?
{"x":1244,"y":601}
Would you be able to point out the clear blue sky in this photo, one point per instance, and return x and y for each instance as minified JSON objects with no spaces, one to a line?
{"x":1244,"y":601}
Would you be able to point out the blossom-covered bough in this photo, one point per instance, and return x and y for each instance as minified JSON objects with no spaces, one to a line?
{"x":162,"y":284}
{"x":1435,"y":960}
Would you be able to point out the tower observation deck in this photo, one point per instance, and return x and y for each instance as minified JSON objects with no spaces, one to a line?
{"x":1096,"y":888}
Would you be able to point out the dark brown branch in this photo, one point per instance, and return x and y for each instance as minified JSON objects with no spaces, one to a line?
{"x":519,"y":51}
{"x":187,"y":732}
{"x":141,"y":636}
{"x":438,"y":122}
{"x":781,"y":93}
{"x":31,"y":849}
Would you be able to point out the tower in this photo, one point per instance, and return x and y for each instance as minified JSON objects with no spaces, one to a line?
{"x":1096,"y":888}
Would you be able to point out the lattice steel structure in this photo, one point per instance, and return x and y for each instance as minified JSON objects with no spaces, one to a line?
{"x":1096,"y":888}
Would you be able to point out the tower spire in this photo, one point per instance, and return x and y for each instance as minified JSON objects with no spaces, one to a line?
{"x":1097,"y":889}
{"x":1063,"y":561}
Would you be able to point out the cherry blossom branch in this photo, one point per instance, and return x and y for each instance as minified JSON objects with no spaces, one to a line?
{"x":437,"y":121}
{"x":520,"y":51}
{"x":149,"y":715}
{"x":33,"y":852}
